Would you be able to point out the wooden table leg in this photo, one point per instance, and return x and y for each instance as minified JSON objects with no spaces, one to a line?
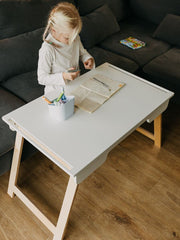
{"x":157,"y":131}
{"x":156,"y":136}
{"x":65,"y":209}
{"x":71,"y":190}
{"x":15,"y":164}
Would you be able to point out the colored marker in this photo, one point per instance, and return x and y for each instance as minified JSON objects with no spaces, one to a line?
{"x":73,"y":70}
{"x":47,"y":100}
{"x":57,"y":100}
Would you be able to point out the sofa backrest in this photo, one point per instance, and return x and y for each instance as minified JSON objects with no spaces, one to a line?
{"x":21,"y":33}
{"x":18,"y":17}
{"x":119,"y":7}
{"x":154,"y":10}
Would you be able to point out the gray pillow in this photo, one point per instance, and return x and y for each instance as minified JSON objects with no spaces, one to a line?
{"x":19,"y":54}
{"x":97,"y":26}
{"x":169,"y":30}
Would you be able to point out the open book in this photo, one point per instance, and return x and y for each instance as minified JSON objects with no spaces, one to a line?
{"x":93,"y":92}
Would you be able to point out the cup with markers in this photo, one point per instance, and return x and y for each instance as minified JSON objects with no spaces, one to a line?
{"x":62,"y":107}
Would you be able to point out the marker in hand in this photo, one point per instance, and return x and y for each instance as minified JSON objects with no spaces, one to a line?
{"x":72,"y":70}
{"x":71,"y":74}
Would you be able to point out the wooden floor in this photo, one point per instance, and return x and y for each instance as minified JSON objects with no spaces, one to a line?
{"x":135,"y":195}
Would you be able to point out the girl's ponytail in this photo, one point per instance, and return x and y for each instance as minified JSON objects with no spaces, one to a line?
{"x":46,"y":30}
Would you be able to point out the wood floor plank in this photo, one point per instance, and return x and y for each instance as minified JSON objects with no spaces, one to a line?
{"x":168,"y":193}
{"x":138,"y":206}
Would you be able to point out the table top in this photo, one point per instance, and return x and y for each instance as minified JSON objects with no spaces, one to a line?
{"x":84,"y":137}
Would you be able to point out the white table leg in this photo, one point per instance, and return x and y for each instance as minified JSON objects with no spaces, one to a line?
{"x":15,"y":164}
{"x":65,"y":209}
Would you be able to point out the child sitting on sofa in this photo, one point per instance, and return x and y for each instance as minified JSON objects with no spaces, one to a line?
{"x":62,"y":48}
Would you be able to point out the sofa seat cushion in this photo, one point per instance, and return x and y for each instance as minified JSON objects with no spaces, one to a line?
{"x":8,"y":102}
{"x":101,"y":56}
{"x":6,"y":159}
{"x":142,"y":31}
{"x":165,"y":69}
{"x":25,"y":86}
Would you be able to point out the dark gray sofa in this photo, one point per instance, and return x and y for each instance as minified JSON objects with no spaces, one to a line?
{"x":105,"y":23}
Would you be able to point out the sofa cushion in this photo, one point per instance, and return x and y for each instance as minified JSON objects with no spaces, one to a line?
{"x":5,"y":161}
{"x":101,"y":56}
{"x":25,"y":86}
{"x":8,"y":102}
{"x":169,"y":30}
{"x":119,"y":7}
{"x":142,"y":31}
{"x":17,"y":17}
{"x":166,"y":68}
{"x":86,"y":6}
{"x":98,"y":25}
{"x":6,"y":158}
{"x":154,"y":10}
{"x":19,"y":54}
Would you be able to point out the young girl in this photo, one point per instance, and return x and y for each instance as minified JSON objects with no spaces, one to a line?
{"x":62,"y":48}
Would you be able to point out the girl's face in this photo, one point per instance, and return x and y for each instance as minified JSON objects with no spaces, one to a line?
{"x":61,"y":37}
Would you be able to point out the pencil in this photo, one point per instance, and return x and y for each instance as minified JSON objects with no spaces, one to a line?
{"x":47,"y":100}
{"x":104,"y":84}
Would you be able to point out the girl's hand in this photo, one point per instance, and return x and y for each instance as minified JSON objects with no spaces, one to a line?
{"x":89,"y":63}
{"x":70,"y":75}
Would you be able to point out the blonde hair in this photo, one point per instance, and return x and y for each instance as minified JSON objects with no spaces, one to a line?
{"x":64,"y":16}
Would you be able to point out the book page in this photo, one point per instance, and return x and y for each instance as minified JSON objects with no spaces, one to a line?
{"x":102,"y":85}
{"x":87,"y":100}
{"x":93,"y":92}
